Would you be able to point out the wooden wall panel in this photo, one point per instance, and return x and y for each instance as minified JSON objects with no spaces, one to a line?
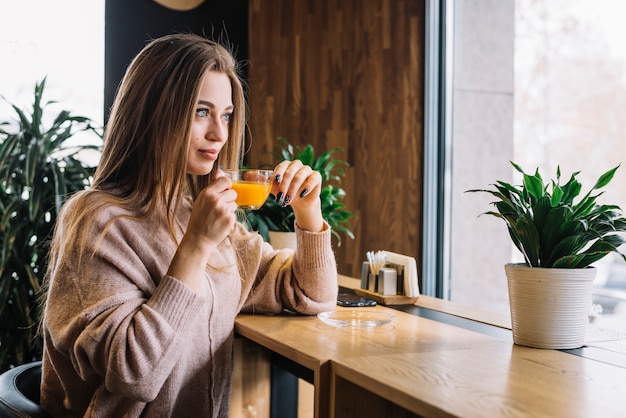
{"x":347,"y":73}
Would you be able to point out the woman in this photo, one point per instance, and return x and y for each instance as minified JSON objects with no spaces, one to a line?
{"x":148,"y":268}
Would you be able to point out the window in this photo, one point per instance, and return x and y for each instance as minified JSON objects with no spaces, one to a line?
{"x":541,"y":83}
{"x":62,"y":40}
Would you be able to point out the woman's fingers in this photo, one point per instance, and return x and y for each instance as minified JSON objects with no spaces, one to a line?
{"x":294,"y":180}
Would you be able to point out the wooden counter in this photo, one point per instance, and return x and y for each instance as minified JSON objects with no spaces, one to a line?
{"x":421,"y":367}
{"x":495,"y":380}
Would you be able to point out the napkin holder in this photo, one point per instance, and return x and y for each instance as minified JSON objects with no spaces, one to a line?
{"x":406,"y":289}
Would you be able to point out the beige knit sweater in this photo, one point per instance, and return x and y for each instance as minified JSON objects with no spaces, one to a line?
{"x":123,"y":339}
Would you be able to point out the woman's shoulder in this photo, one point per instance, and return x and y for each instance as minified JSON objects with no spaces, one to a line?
{"x":96,"y":204}
{"x":97,"y":210}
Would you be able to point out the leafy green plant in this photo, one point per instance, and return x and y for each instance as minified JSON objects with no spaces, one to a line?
{"x":274,"y":217}
{"x":550,"y":229}
{"x":38,"y":171}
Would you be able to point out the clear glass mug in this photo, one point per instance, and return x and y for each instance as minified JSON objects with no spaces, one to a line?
{"x":252,"y":185}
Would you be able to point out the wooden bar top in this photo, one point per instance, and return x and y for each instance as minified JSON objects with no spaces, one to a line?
{"x":428,"y":368}
{"x":309,"y":342}
{"x":495,"y":380}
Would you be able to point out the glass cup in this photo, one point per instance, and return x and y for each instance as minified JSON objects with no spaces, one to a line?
{"x":252,"y":185}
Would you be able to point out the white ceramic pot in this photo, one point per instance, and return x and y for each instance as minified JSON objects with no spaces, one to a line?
{"x":549,"y":306}
{"x":281,"y":240}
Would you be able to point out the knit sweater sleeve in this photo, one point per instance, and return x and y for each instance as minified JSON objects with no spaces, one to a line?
{"x":118,"y":315}
{"x":303,"y":280}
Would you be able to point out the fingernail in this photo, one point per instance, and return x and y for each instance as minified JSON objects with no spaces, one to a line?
{"x":287,"y":200}
{"x":279,"y":198}
{"x":304,"y":192}
{"x":278,"y":178}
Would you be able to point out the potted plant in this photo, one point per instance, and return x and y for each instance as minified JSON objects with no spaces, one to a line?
{"x":38,"y":171}
{"x":272,"y":217}
{"x":550,"y":293}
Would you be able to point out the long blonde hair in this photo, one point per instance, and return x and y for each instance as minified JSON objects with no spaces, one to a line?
{"x":144,"y":159}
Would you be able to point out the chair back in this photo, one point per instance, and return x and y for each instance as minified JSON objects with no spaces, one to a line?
{"x":19,"y":392}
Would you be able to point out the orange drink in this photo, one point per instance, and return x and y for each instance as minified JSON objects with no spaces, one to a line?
{"x":252,"y":186}
{"x":251,"y":195}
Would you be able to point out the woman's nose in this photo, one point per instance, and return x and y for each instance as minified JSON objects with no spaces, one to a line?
{"x":218,"y":131}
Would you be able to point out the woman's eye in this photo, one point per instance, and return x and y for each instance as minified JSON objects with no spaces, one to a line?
{"x":203,"y":113}
{"x":227,"y":117}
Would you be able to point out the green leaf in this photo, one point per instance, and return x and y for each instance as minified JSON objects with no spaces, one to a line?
{"x":585,"y":206}
{"x":306,"y":155}
{"x":32,"y":153}
{"x":597,"y":251}
{"x":571,"y":190}
{"x":570,"y":261}
{"x":7,"y":148}
{"x":551,"y":229}
{"x":557,"y":194}
{"x":534,"y":185}
{"x":541,"y":210}
{"x":527,"y":235}
{"x":605,"y":178}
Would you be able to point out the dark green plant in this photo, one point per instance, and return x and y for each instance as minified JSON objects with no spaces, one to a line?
{"x":550,"y":229}
{"x":274,"y":217}
{"x":38,"y":171}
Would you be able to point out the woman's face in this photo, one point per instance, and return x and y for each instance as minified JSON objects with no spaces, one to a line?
{"x":209,"y":129}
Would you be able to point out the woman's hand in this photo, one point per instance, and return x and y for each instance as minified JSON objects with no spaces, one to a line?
{"x":212,"y":219}
{"x":213,"y":214}
{"x":299,"y":185}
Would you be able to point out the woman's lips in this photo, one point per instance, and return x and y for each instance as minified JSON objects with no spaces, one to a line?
{"x":210,"y":154}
